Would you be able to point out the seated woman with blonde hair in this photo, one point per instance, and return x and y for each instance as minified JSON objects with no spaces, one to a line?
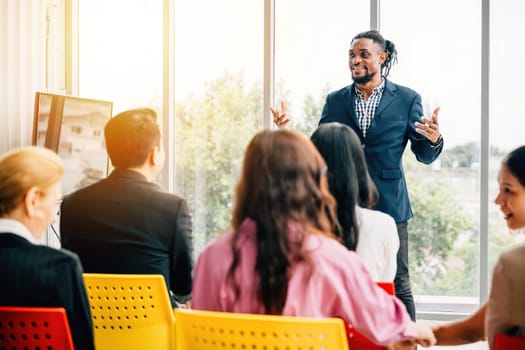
{"x":32,"y":274}
{"x":281,"y":256}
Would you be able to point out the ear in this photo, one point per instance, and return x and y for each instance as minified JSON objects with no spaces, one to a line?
{"x":158,"y":156}
{"x":383,"y":56}
{"x":31,"y":201}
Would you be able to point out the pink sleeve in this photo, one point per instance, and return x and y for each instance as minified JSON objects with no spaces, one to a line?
{"x":369,"y":309}
{"x":201,"y":298}
{"x":209,"y":274}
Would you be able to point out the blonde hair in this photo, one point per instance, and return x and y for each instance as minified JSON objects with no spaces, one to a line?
{"x":24,"y":168}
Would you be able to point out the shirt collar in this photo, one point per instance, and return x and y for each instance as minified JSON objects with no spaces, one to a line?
{"x":378,"y":88}
{"x":16,"y":228}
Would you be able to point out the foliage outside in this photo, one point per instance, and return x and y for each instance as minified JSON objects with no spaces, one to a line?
{"x":440,"y":263}
{"x":211,"y":134}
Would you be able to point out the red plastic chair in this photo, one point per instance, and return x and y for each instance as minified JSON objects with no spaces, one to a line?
{"x":34,"y":328}
{"x":508,"y":342}
{"x":387,"y":287}
{"x":357,"y":341}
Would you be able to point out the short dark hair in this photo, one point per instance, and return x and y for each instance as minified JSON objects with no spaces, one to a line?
{"x":515,"y":162}
{"x":130,"y":136}
{"x":386,"y":45}
{"x":348,"y":176}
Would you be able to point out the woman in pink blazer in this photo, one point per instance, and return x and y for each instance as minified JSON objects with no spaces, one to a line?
{"x":281,"y":256}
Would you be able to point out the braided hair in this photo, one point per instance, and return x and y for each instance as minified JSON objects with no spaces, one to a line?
{"x":386,"y":45}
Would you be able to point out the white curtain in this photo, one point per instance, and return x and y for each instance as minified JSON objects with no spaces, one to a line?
{"x":31,"y":56}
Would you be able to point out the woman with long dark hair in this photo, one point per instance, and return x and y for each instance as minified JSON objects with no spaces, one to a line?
{"x":281,"y":256}
{"x":370,"y":233}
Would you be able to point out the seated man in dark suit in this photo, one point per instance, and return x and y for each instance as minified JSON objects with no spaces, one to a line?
{"x":33,"y":274}
{"x":126,"y":223}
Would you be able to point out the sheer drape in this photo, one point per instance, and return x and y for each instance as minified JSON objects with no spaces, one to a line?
{"x":29,"y":43}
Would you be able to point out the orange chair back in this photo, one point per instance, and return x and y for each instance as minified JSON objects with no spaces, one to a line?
{"x":356,"y":340}
{"x":34,"y":328}
{"x":508,"y":342}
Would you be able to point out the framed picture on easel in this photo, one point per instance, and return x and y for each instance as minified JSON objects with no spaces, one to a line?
{"x":74,"y":128}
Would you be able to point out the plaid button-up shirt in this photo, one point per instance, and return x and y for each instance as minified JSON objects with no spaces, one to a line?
{"x":366,"y":109}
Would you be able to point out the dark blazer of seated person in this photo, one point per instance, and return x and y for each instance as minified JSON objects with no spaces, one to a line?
{"x":32,"y":274}
{"x":126,"y":223}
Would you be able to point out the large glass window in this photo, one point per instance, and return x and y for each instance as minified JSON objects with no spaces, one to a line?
{"x":218,"y":53}
{"x":120,"y":52}
{"x":443,"y":64}
{"x":507,"y":127}
{"x":218,"y":93}
{"x":312,"y":39}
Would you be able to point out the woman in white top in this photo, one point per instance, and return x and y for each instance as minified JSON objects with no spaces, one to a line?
{"x":370,"y":233}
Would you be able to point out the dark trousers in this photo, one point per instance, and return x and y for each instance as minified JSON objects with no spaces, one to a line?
{"x":402,"y":279}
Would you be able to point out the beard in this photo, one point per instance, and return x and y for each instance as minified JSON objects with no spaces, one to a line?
{"x":364,"y":79}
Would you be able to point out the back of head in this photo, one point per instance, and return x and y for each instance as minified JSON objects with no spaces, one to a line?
{"x":283,"y":178}
{"x":348,"y":176}
{"x":130,"y":136}
{"x":339,"y":145}
{"x":386,"y":45}
{"x":515,"y":163}
{"x":24,"y":168}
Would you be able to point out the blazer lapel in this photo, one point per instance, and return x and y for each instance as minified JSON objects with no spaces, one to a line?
{"x":389,"y":95}
{"x":349,"y":102}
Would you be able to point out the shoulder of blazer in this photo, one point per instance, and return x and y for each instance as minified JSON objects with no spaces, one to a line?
{"x":55,"y":256}
{"x":8,"y":239}
{"x":396,"y":88}
{"x":343,"y":91}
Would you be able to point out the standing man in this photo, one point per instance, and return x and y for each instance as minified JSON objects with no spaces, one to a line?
{"x":126,"y":223}
{"x":385,"y":116}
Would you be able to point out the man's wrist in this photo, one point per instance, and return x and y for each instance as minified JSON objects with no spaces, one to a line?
{"x":438,"y":143}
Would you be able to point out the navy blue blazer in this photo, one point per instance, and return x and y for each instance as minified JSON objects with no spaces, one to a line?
{"x":34,"y":275}
{"x":385,"y":141}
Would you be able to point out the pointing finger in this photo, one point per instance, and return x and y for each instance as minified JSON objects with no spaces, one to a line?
{"x":283,"y":107}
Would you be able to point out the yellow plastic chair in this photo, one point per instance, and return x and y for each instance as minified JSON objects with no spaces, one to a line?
{"x":205,"y":330}
{"x":130,"y":311}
